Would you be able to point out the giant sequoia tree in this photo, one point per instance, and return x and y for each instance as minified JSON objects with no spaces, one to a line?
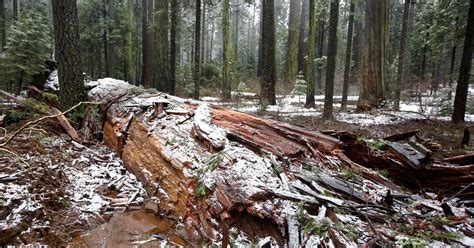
{"x":374,"y":55}
{"x":268,"y":77}
{"x":66,"y":40}
{"x":465,"y":70}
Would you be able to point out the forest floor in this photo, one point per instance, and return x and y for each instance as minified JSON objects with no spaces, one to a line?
{"x":52,"y":192}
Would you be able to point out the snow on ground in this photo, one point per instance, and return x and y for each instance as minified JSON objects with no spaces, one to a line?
{"x":293,"y":105}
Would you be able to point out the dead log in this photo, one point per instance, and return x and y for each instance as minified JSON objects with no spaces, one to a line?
{"x":238,"y":173}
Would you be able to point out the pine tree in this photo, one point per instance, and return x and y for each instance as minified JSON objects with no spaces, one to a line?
{"x":348,"y":63}
{"x":310,"y":61}
{"x":226,"y":90}
{"x":465,"y":70}
{"x":268,"y":77}
{"x":332,"y":53}
{"x":68,"y":56}
{"x":197,"y":51}
{"x":291,"y":67}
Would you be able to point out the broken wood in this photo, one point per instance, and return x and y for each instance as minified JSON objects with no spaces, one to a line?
{"x":258,"y":164}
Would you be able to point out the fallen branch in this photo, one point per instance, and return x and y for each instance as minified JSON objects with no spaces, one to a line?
{"x":44,"y":118}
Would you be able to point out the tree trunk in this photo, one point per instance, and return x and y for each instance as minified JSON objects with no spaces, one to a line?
{"x":147,"y":44}
{"x":236,"y":33}
{"x":310,"y":61}
{"x":203,"y":33}
{"x":3,"y":30}
{"x":267,"y":81}
{"x":112,"y":64}
{"x":16,"y":9}
{"x":174,"y":31}
{"x":303,"y":35}
{"x":357,"y":51}
{"x":291,"y":66}
{"x":374,"y":56}
{"x":128,"y":66}
{"x":332,"y":53}
{"x":226,"y":94}
{"x":348,"y":63}
{"x":66,"y":39}
{"x":465,"y":70}
{"x":162,"y":72}
{"x":423,"y":59}
{"x":401,"y":56}
{"x":320,"y":39}
{"x":197,"y":51}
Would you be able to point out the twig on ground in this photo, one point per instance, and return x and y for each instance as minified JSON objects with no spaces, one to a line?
{"x":15,"y":155}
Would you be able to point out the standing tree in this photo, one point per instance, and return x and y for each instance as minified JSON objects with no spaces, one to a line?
{"x":332,"y":53}
{"x":291,"y":67}
{"x":268,"y":77}
{"x":465,"y":70}
{"x":128,"y":44}
{"x":226,"y":95}
{"x":147,"y":44}
{"x":310,"y":60}
{"x":348,"y":63}
{"x":3,"y":30}
{"x":303,"y":35}
{"x":16,"y":9}
{"x":401,"y":56}
{"x":66,"y":39}
{"x":374,"y":55}
{"x":197,"y":51}
{"x":174,"y":30}
{"x":162,"y":76}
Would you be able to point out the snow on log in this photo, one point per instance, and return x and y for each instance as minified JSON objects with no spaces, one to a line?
{"x":212,"y":168}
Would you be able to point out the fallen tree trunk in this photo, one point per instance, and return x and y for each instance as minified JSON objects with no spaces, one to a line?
{"x":207,"y":164}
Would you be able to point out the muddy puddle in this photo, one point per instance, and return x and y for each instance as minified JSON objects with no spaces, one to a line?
{"x":131,"y":229}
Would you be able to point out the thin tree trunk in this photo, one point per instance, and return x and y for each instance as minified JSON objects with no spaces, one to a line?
{"x":68,"y":56}
{"x":111,"y":43}
{"x":226,"y":91}
{"x":203,"y":33}
{"x":423,"y":60}
{"x":105,"y":40}
{"x":401,"y":56}
{"x":347,"y":66}
{"x":128,"y":45}
{"x":318,"y":77}
{"x":3,"y":30}
{"x":464,"y":72}
{"x":310,"y":61}
{"x":267,"y":81}
{"x":147,"y":47}
{"x":16,"y":9}
{"x":303,"y":35}
{"x":236,"y":34}
{"x":291,"y":66}
{"x":332,"y":53}
{"x":197,"y":51}
{"x":174,"y":43}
